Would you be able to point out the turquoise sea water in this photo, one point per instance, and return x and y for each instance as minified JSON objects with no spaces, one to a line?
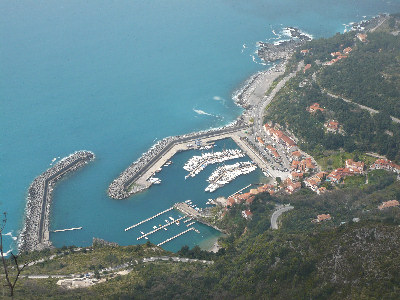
{"x":114,"y":76}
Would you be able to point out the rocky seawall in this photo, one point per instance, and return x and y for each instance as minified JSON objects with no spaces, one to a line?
{"x":35,"y":233}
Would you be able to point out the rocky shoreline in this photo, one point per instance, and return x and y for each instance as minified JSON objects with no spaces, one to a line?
{"x":282,"y":50}
{"x":35,"y":233}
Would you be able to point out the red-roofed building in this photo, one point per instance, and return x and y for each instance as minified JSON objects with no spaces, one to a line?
{"x":385,"y":164}
{"x":323,"y":217}
{"x":306,"y":67}
{"x":321,"y":190}
{"x":305,"y":51}
{"x":347,"y":50}
{"x":293,"y":187}
{"x":332,"y":126}
{"x":362,"y":37}
{"x":334,"y":177}
{"x":260,"y":140}
{"x":231,"y":201}
{"x":315,"y":107}
{"x":321,"y":175}
{"x":387,"y":204}
{"x":313,"y":183}
{"x":355,"y":166}
{"x":297,"y":155}
{"x":288,"y":141}
{"x":336,"y":53}
{"x":295,"y":176}
{"x":247,"y":214}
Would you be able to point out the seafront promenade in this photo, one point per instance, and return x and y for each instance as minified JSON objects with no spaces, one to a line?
{"x":35,"y":234}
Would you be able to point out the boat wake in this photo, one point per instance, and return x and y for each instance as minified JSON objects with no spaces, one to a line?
{"x":10,"y":234}
{"x":202,"y":112}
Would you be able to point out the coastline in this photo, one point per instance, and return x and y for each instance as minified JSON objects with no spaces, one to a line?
{"x":134,"y":178}
{"x":211,"y":244}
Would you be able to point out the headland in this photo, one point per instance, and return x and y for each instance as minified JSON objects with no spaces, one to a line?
{"x":35,"y":234}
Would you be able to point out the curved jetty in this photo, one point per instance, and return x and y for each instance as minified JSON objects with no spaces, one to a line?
{"x":35,"y":234}
{"x":135,"y":178}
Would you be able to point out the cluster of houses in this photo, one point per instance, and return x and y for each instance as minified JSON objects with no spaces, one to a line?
{"x":385,"y":164}
{"x":334,"y":177}
{"x":299,"y":167}
{"x":247,"y":197}
{"x":279,"y":137}
{"x":338,"y":56}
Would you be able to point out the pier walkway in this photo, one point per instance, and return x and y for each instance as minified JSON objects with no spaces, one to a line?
{"x":161,"y":227}
{"x":67,"y":229}
{"x":240,"y":190}
{"x":148,"y":219}
{"x":175,"y":236}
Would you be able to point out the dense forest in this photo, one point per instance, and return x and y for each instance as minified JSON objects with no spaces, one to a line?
{"x":370,"y":75}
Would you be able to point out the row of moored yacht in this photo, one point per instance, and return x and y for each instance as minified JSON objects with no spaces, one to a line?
{"x":197,"y":163}
{"x":227,"y":173}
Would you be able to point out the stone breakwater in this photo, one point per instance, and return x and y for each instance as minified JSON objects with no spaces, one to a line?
{"x":125,"y":184}
{"x":35,"y":234}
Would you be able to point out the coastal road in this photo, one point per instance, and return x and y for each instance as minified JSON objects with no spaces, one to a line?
{"x":276,"y":215}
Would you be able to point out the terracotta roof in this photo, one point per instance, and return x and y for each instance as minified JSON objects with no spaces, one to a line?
{"x":347,"y":50}
{"x":362,"y":37}
{"x":390,"y":203}
{"x":323,"y":217}
{"x":334,"y":125}
{"x":296,"y":153}
{"x":306,"y":67}
{"x":315,"y":107}
{"x":288,"y":141}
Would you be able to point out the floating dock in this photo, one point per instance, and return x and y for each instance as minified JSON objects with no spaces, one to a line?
{"x":161,"y":227}
{"x":178,"y":235}
{"x":67,"y":229}
{"x":148,"y":219}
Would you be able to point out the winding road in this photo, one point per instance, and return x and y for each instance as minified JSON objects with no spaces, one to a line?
{"x":277,"y":213}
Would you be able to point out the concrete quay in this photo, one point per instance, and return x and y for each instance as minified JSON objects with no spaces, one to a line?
{"x":134,"y":178}
{"x":35,"y":233}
